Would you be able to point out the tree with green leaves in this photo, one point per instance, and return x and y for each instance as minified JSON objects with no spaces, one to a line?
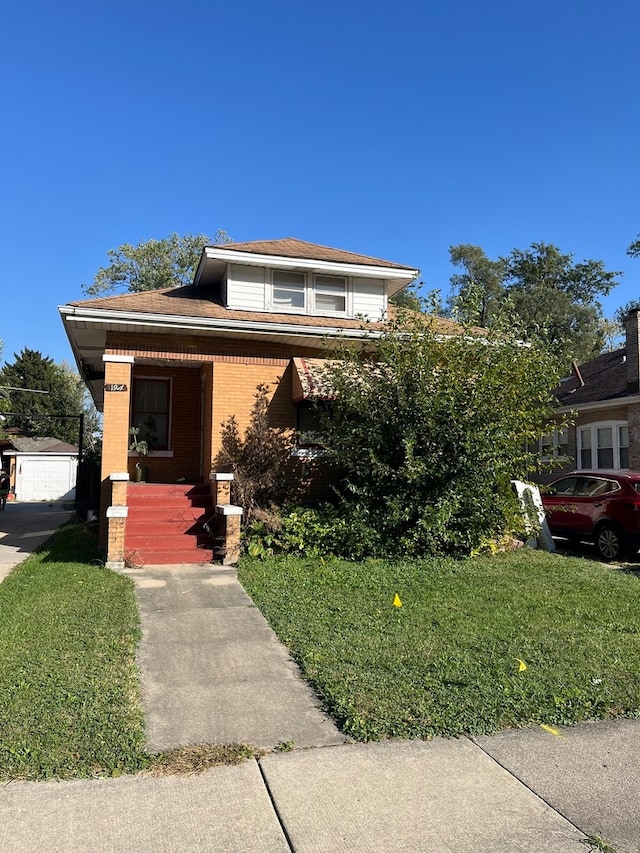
{"x":429,"y":431}
{"x":477,"y":290}
{"x":550,"y":297}
{"x":258,"y":459}
{"x":152,"y":264}
{"x":633,"y":250}
{"x":46,"y":398}
{"x":408,"y":299}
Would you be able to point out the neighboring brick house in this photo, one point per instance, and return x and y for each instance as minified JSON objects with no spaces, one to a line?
{"x":605,"y":394}
{"x":192,"y":356}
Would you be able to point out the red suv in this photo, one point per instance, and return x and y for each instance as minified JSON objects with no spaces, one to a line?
{"x":599,"y":505}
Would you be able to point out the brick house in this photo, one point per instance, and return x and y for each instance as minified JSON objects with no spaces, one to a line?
{"x":605,"y":395}
{"x":190,"y":357}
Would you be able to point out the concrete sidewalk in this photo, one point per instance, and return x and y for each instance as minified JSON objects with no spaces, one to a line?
{"x":441,"y":795}
{"x":24,"y":527}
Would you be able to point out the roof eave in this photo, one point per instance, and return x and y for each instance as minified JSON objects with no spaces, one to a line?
{"x":397,"y":277}
{"x":611,"y":403}
{"x":172,"y":321}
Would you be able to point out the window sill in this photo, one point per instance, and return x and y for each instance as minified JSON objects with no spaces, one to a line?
{"x":344,"y":315}
{"x":158,"y":454}
{"x":309,"y":452}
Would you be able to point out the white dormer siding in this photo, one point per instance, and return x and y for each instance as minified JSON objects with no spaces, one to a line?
{"x":369,"y":298}
{"x":256,"y":288}
{"x":246,"y":288}
{"x":291,"y":276}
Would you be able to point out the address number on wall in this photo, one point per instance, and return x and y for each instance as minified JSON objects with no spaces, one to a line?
{"x":115,"y":386}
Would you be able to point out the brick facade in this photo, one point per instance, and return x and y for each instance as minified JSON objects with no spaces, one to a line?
{"x":633,"y":420}
{"x":210,"y":380}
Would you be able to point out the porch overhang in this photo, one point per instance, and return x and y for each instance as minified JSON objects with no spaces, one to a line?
{"x":87,"y":330}
{"x":310,"y":381}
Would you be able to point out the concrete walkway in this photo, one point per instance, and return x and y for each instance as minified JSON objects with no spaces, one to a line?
{"x":212,"y":670}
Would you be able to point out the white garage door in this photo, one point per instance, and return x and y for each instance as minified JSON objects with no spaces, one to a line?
{"x":45,"y":477}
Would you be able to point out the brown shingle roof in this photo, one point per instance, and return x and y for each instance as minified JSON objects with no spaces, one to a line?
{"x":202,"y":303}
{"x":290,"y":247}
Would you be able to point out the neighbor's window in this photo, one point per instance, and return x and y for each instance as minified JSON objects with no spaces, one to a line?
{"x":604,"y":453}
{"x":151,"y":410}
{"x":554,"y":445}
{"x":623,"y":445}
{"x":288,"y":290}
{"x":604,"y":445}
{"x":330,"y":293}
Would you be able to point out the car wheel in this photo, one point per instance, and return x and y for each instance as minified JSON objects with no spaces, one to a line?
{"x":609,"y":542}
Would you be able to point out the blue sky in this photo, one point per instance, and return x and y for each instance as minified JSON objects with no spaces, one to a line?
{"x":394,"y":130}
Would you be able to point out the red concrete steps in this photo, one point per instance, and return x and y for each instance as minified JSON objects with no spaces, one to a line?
{"x":147,"y":494}
{"x":166,"y":524}
{"x":171,"y":557}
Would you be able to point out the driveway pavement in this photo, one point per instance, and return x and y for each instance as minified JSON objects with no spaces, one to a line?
{"x":24,"y":527}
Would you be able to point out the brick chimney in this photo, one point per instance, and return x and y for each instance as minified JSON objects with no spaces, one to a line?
{"x":632,"y":329}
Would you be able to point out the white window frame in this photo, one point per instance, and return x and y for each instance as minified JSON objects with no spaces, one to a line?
{"x":286,"y":309}
{"x":309,"y":290}
{"x":593,"y":431}
{"x":317,"y":290}
{"x":555,"y":444}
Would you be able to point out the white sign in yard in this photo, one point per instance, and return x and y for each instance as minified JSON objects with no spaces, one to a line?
{"x":533,"y":509}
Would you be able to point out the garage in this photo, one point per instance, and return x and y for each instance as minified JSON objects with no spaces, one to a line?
{"x":47,"y":473}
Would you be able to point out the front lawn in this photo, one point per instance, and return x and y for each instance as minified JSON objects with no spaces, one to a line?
{"x":478,"y":645}
{"x":69,"y":695}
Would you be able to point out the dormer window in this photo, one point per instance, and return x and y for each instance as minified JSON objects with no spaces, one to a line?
{"x":289,"y":290}
{"x":306,"y":293}
{"x":330,"y":294}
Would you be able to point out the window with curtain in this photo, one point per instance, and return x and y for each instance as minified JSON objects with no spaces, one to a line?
{"x":150,"y":411}
{"x":330,"y":294}
{"x":289,"y":290}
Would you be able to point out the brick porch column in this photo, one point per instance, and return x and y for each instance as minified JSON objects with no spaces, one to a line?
{"x":221,"y":483}
{"x":229,"y":516}
{"x":115,"y":445}
{"x":116,"y":520}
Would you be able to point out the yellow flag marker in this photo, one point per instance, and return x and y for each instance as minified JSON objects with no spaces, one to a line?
{"x":551,"y":730}
{"x":522,"y":666}
{"x":396,"y":600}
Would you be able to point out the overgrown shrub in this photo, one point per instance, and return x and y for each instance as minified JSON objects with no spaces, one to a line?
{"x":430,"y":429}
{"x":321,"y":531}
{"x":258,"y":459}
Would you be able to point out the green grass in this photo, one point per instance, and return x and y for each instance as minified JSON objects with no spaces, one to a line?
{"x":448,"y":661}
{"x":69,"y":693}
